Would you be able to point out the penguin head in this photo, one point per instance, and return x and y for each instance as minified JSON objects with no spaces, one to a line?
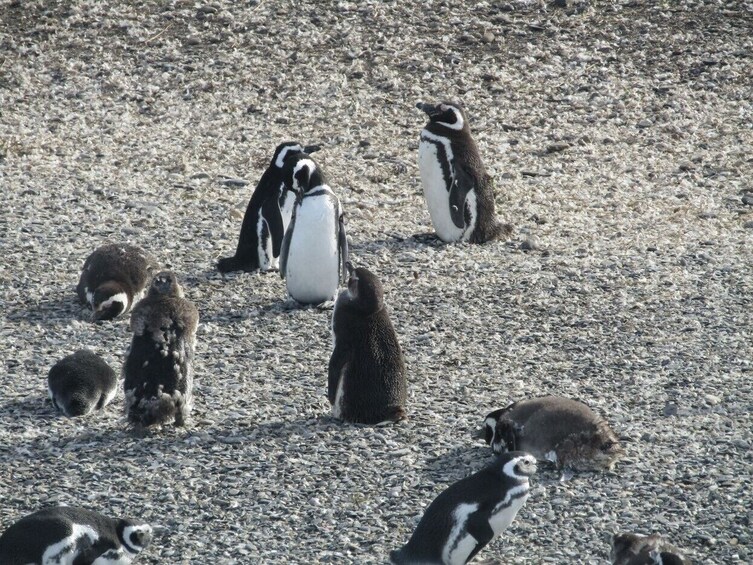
{"x":518,"y":464}
{"x":632,"y":549}
{"x":450,"y":116}
{"x":301,"y":174}
{"x":287,"y":149}
{"x":602,"y":448}
{"x":110,"y":300}
{"x":165,"y":283}
{"x":365,"y":292}
{"x":133,"y":536}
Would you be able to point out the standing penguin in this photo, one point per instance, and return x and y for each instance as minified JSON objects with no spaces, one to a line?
{"x":158,"y":369}
{"x":632,"y":549}
{"x":114,"y":278}
{"x":80,"y":383}
{"x":470,"y":513}
{"x":366,"y":370}
{"x":315,"y":249}
{"x":458,"y":191}
{"x":267,"y":217}
{"x":561,"y":430}
{"x":68,"y":535}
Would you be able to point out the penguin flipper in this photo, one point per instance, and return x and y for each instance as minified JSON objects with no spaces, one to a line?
{"x":273,"y":217}
{"x":478,"y":526}
{"x":462,"y":184}
{"x":335,"y":371}
{"x":342,"y":246}
{"x":286,"y":244}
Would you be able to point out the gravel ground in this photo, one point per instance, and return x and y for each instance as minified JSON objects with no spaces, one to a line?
{"x":619,"y":134}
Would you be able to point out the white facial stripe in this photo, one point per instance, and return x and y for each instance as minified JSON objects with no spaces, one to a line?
{"x":308,"y":163}
{"x":459,"y":122}
{"x":280,"y":161}
{"x":121,"y":297}
{"x":128,"y":530}
{"x":456,"y":541}
{"x":509,"y":468}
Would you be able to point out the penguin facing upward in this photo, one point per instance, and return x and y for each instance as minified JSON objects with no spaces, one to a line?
{"x":68,"y":535}
{"x":458,"y":191}
{"x":315,"y":248}
{"x":557,"y":429}
{"x":266,"y":218}
{"x":470,"y":513}
{"x":158,"y":368}
{"x":81,"y":383}
{"x":366,"y":381}
{"x":632,"y":549}
{"x":114,"y":278}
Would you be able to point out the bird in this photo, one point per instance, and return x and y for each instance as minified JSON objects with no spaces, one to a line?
{"x":470,"y":513}
{"x":114,"y":278}
{"x":158,"y":368}
{"x":366,"y":374}
{"x":315,"y":248}
{"x":458,"y":191}
{"x":70,"y":535}
{"x":561,"y":430}
{"x":80,"y":383}
{"x":633,"y":549}
{"x":267,"y":216}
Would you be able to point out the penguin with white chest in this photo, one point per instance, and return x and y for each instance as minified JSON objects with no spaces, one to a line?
{"x":68,"y":535}
{"x":158,"y":368}
{"x":366,"y":381}
{"x":561,"y":430}
{"x":267,"y":217}
{"x":470,"y":513}
{"x":114,"y":278}
{"x":81,"y":383}
{"x":458,"y":191}
{"x":315,"y":248}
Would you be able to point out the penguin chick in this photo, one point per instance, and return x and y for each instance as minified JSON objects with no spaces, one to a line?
{"x":158,"y":368}
{"x":81,"y":383}
{"x":632,"y":549}
{"x":366,"y":381}
{"x":561,"y":430}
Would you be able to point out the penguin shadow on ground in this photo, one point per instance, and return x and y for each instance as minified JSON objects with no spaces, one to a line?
{"x":61,"y":304}
{"x":37,"y":407}
{"x":232,"y":431}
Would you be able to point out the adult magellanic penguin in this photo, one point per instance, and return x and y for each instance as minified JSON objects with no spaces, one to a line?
{"x":458,"y":191}
{"x":267,"y":217}
{"x":315,"y":248}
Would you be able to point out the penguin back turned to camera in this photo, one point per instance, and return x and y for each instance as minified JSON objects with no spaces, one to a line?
{"x":470,"y":513}
{"x":634,"y":549}
{"x":266,"y":217}
{"x":315,"y":248}
{"x":81,"y":383}
{"x":562,"y":430}
{"x":458,"y":191}
{"x":366,"y":377}
{"x":158,"y":368}
{"x":114,"y":278}
{"x":69,"y":535}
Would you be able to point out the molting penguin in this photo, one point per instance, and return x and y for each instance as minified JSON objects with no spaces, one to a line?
{"x":561,"y":430}
{"x":267,"y":217}
{"x":458,"y":191}
{"x":67,"y":535}
{"x":632,"y":549}
{"x":158,"y":369}
{"x":80,"y":383}
{"x":114,"y":278}
{"x":470,"y":513}
{"x":366,"y":370}
{"x":315,"y":249}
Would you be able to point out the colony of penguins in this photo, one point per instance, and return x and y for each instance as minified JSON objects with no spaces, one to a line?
{"x":294,"y":223}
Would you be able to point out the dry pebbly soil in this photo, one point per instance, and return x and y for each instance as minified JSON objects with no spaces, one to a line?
{"x":619,"y":134}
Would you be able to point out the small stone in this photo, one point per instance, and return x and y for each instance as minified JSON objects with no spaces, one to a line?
{"x":645,"y":124}
{"x":235,"y":214}
{"x":670,"y":409}
{"x":686,"y":166}
{"x":748,"y":199}
{"x":713,"y":400}
{"x":748,"y":225}
{"x":488,"y":37}
{"x":234,"y":182}
{"x":192,"y":40}
{"x":529,"y":244}
{"x":557,"y":147}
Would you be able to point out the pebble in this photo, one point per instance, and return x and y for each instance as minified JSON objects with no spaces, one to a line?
{"x":557,"y":147}
{"x":645,"y":123}
{"x":748,"y":199}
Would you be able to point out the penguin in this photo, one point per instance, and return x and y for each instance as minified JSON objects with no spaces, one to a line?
{"x":556,"y":429}
{"x":267,"y":217}
{"x":315,"y":248}
{"x":458,"y":191}
{"x":470,"y":513}
{"x":632,"y":549}
{"x":158,"y":368}
{"x":114,"y":278}
{"x":81,"y":383}
{"x":68,"y":535}
{"x":366,"y":381}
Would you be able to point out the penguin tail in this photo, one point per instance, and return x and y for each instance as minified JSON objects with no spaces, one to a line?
{"x":396,"y":414}
{"x":396,"y":557}
{"x":161,"y":409}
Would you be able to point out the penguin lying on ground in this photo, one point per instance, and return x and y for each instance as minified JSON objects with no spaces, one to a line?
{"x":67,"y":535}
{"x":114,"y":278}
{"x":366,"y":370}
{"x":314,"y":249}
{"x":80,"y":383}
{"x":561,"y":430}
{"x":632,"y":549}
{"x":470,"y":513}
{"x":267,"y":217}
{"x":158,"y":368}
{"x":458,"y":191}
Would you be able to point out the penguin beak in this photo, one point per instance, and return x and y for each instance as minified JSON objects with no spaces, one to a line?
{"x":427,"y":108}
{"x":312,"y":148}
{"x":349,"y":266}
{"x":480,"y":433}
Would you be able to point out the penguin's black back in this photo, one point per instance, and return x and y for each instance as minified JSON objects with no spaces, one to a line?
{"x":121,"y":262}
{"x":80,"y":381}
